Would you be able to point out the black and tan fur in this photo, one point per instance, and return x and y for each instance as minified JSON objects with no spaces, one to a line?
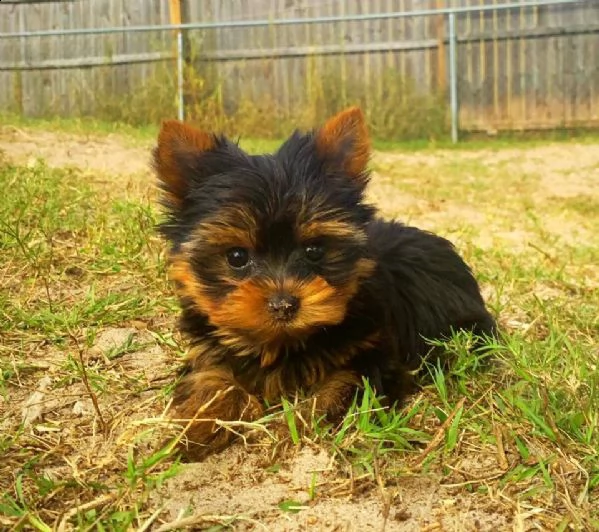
{"x":289,"y":281}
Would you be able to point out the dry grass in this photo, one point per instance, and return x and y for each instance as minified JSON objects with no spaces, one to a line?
{"x":88,"y":358}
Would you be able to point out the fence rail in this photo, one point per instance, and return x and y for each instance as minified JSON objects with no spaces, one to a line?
{"x":291,"y":21}
{"x":90,"y":62}
{"x":509,"y":65}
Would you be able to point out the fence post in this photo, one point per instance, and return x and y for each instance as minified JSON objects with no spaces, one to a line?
{"x":453,"y":78}
{"x":175,"y":12}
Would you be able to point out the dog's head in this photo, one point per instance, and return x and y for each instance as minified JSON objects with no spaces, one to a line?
{"x":269,"y":248}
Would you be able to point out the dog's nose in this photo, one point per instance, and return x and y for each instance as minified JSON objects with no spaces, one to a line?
{"x":283,"y":306}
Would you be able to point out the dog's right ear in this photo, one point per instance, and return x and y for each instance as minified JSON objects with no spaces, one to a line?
{"x":179,"y":146}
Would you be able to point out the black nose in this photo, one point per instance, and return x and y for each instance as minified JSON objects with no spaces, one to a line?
{"x":283,"y":306}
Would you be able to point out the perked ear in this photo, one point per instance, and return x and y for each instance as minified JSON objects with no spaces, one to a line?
{"x":343,"y":141}
{"x":178,"y":144}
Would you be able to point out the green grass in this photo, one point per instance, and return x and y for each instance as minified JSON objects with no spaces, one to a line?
{"x":73,"y":263}
{"x":519,"y":418}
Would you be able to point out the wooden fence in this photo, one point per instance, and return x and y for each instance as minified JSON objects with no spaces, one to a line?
{"x":523,"y":68}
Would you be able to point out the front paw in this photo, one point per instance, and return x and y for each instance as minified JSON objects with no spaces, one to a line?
{"x":200,"y":402}
{"x":333,"y":398}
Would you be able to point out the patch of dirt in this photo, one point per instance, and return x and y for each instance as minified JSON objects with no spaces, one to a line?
{"x":556,"y":172}
{"x":579,"y":162}
{"x":80,"y":440}
{"x":101,"y":158}
{"x":239,"y":483}
{"x":115,"y":352}
{"x":106,"y":155}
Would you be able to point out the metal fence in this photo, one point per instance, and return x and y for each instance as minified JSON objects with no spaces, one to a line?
{"x":503,"y":65}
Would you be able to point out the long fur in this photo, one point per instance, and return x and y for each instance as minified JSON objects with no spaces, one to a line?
{"x":366,"y":308}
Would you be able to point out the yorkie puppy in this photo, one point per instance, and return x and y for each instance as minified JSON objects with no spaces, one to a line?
{"x":289,"y":282}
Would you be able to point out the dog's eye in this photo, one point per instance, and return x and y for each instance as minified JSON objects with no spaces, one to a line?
{"x":314,"y":253}
{"x":238,"y":258}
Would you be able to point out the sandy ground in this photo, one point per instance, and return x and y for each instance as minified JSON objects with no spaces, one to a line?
{"x":108,"y":156}
{"x":99,"y":154}
{"x":237,"y":482}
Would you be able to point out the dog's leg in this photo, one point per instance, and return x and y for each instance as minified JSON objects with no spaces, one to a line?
{"x":199,"y":400}
{"x":334,"y":396}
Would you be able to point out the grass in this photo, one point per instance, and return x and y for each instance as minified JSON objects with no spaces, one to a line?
{"x":88,"y":354}
{"x":136,"y":135}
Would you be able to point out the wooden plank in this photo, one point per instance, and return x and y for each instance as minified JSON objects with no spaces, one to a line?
{"x":24,"y":2}
{"x":332,"y":49}
{"x":482,"y":69}
{"x":175,"y":12}
{"x":533,"y":104}
{"x":510,"y":52}
{"x":389,"y":56}
{"x":380,"y":63}
{"x":441,"y":50}
{"x":427,"y":33}
{"x":34,"y":84}
{"x":592,"y":58}
{"x":12,"y":97}
{"x":495,"y":63}
{"x":89,"y":62}
{"x":522,"y":67}
{"x":579,"y":81}
{"x":403,"y":35}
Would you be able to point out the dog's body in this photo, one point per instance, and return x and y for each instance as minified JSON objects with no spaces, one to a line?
{"x":289,"y":282}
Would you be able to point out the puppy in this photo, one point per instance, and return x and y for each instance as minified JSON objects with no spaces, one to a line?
{"x":290,"y":282}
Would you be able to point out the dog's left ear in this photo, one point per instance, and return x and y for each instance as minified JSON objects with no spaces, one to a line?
{"x":179,"y":146}
{"x":343,"y":142}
